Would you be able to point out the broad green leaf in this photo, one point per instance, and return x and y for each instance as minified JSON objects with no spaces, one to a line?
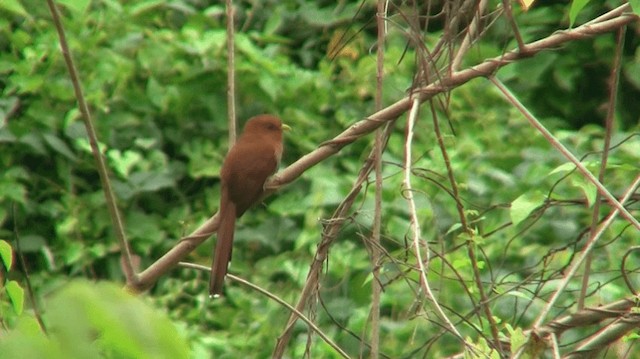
{"x":14,"y":191}
{"x":125,"y":325}
{"x":522,"y":206}
{"x":454,"y":227}
{"x":517,"y":337}
{"x":123,"y":163}
{"x":6,"y":254}
{"x":16,"y":295}
{"x":59,"y":146}
{"x":588,"y":188}
{"x":563,"y":168}
{"x":576,"y":6}
{"x":151,"y":181}
{"x":15,"y":7}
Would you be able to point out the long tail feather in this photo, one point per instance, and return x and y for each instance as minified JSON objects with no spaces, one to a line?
{"x":222,"y":253}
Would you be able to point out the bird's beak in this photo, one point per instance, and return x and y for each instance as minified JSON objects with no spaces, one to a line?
{"x":286,"y":127}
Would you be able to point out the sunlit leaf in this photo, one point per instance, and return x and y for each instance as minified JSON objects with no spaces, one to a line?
{"x":16,"y":295}
{"x":6,"y":253}
{"x":588,"y":189}
{"x":574,"y":10}
{"x":522,"y":206}
{"x":526,"y":4}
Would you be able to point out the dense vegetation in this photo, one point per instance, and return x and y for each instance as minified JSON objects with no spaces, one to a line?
{"x":154,"y":75}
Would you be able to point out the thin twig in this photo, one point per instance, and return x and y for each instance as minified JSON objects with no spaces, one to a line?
{"x":418,"y":243}
{"x":471,"y":251}
{"x":623,"y":271}
{"x":127,"y":264}
{"x":506,"y":5}
{"x":231,"y":74}
{"x":32,"y":298}
{"x":278,"y":300}
{"x":614,"y":79}
{"x":472,"y":31}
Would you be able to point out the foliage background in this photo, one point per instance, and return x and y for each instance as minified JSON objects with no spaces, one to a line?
{"x":154,"y":73}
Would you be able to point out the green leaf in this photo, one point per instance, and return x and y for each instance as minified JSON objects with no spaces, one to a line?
{"x":13,"y":191}
{"x":588,"y":189}
{"x":16,"y":295}
{"x":91,"y":318}
{"x":15,"y":7}
{"x":517,"y":337}
{"x":6,"y":254}
{"x":519,"y":294}
{"x":59,"y":146}
{"x":522,"y":206}
{"x":123,"y":163}
{"x":144,"y":6}
{"x":576,"y":6}
{"x":151,"y":181}
{"x":563,"y":168}
{"x":77,"y":6}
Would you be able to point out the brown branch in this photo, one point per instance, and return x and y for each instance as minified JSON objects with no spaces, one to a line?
{"x":610,"y":334}
{"x":586,"y":317}
{"x":619,"y":310}
{"x":231,"y":74}
{"x":376,"y":256}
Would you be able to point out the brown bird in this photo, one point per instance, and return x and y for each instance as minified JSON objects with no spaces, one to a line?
{"x":249,"y":163}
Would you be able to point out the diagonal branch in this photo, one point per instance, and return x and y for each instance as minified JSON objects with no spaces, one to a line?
{"x":608,"y":22}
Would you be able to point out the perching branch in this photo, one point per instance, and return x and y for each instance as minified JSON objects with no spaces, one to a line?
{"x":608,"y":22}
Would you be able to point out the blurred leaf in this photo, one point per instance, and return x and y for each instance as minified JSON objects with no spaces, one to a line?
{"x":141,"y":7}
{"x":574,"y":10}
{"x":15,"y":7}
{"x":563,"y":168}
{"x":6,"y":253}
{"x":151,"y":181}
{"x":588,"y":189}
{"x":13,"y":191}
{"x":127,"y":327}
{"x":16,"y":295}
{"x":635,"y":6}
{"x":123,"y":162}
{"x":78,"y":6}
{"x":522,"y":206}
{"x":59,"y":146}
{"x":517,"y":337}
{"x":89,"y":320}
